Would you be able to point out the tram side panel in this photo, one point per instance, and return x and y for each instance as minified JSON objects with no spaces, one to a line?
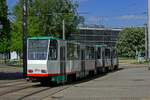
{"x":90,"y":59}
{"x":83,"y":60}
{"x":107,"y":58}
{"x":53,"y":63}
{"x":115,"y":59}
{"x":73,"y":58}
{"x":100,"y":61}
{"x":90,"y":65}
{"x":57,"y":61}
{"x":115,"y":63}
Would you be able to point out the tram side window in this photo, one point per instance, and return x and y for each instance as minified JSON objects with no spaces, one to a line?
{"x":53,"y":50}
{"x":99,"y":53}
{"x":114,"y":54}
{"x":78,"y":51}
{"x":92,"y":54}
{"x":89,"y":53}
{"x":73,"y":51}
{"x":107,"y":53}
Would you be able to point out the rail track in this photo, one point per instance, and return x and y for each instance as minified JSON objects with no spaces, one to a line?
{"x":38,"y":92}
{"x":10,"y":81}
{"x":10,"y":84}
{"x":21,"y":90}
{"x":13,"y":88}
{"x":53,"y":96}
{"x":32,"y":92}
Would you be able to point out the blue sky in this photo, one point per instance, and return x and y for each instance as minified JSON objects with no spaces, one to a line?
{"x":111,"y":13}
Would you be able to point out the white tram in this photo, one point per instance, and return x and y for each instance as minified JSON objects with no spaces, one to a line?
{"x":55,"y":60}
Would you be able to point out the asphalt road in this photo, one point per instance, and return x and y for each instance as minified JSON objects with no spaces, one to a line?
{"x":127,"y":84}
{"x":130,"y":83}
{"x":10,"y":72}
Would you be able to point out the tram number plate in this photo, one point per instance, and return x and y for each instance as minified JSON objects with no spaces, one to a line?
{"x":37,"y":70}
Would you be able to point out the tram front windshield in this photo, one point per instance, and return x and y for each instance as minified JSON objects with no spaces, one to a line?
{"x":37,"y":49}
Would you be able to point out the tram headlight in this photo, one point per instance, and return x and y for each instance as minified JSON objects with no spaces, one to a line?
{"x":30,"y":71}
{"x":43,"y":71}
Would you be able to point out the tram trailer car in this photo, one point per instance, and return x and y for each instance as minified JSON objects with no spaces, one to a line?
{"x":106,"y":59}
{"x":53,"y":60}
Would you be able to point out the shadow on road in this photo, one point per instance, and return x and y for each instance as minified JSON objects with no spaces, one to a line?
{"x":82,"y":80}
{"x":94,"y":77}
{"x":10,"y":72}
{"x":10,"y":75}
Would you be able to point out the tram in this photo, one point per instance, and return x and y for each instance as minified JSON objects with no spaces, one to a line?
{"x":53,"y":60}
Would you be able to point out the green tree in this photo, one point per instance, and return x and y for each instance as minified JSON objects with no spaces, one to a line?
{"x":16,"y":38}
{"x":131,"y":41}
{"x":45,"y":19}
{"x":5,"y":31}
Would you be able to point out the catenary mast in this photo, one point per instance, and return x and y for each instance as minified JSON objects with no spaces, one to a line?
{"x":149,"y":31}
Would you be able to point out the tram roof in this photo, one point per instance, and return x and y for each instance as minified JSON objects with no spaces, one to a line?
{"x":101,"y":45}
{"x":46,"y":38}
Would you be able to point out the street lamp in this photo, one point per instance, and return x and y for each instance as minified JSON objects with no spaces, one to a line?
{"x":149,"y":32}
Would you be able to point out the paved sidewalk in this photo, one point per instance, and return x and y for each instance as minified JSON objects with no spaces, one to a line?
{"x":127,"y":84}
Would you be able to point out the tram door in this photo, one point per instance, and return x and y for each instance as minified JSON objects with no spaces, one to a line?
{"x":111,"y":58}
{"x":62,"y":60}
{"x":83,"y":61}
{"x":103,"y":57}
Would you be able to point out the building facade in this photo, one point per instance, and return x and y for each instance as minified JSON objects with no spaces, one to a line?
{"x":98,"y":36}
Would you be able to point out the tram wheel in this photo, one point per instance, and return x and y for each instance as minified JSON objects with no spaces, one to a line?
{"x":116,"y":67}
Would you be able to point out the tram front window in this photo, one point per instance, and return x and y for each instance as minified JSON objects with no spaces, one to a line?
{"x":37,"y":49}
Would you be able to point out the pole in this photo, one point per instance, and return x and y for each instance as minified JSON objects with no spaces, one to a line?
{"x":149,"y":27}
{"x":24,"y":27}
{"x":146,"y":43}
{"x":63,"y":29}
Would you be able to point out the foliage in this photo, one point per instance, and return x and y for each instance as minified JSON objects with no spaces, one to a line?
{"x":16,"y":37}
{"x":5,"y":31}
{"x":45,"y":19}
{"x":131,"y":41}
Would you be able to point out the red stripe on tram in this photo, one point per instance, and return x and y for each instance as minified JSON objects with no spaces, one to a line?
{"x":43,"y":75}
{"x":37,"y":75}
